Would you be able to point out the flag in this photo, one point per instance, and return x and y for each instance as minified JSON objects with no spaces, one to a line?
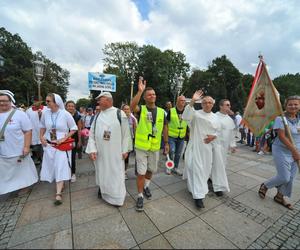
{"x":263,"y":103}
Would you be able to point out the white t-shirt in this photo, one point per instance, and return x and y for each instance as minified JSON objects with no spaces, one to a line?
{"x":35,"y":121}
{"x":13,"y":143}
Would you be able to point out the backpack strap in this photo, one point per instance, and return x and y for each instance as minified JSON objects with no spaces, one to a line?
{"x":119,"y":116}
{"x":6,"y":122}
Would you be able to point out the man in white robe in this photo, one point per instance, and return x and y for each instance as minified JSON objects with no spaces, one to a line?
{"x":108,"y":146}
{"x":35,"y":113}
{"x":203,"y":150}
{"x":227,"y":133}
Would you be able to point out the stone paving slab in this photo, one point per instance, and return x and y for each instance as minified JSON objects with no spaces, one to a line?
{"x":140,"y":225}
{"x":42,"y":209}
{"x":30,"y":232}
{"x":167,"y":213}
{"x":59,"y":240}
{"x":237,"y":228}
{"x":158,"y":242}
{"x":108,"y":232}
{"x":196,"y":234}
{"x":243,"y":181}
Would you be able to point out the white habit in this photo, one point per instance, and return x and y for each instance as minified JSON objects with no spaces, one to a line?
{"x":109,"y":165}
{"x":15,"y":175}
{"x":55,"y":162}
{"x":227,"y":134}
{"x":35,"y":122}
{"x":200,"y":157}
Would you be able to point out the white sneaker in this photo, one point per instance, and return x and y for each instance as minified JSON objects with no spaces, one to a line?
{"x":73,"y":178}
{"x":261,"y":153}
{"x":168,"y":171}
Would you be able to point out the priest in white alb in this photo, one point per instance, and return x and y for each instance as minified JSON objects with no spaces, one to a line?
{"x":108,"y":146}
{"x":203,"y":150}
{"x":227,"y":133}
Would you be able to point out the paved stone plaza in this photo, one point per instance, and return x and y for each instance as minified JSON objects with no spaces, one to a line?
{"x":170,"y":220}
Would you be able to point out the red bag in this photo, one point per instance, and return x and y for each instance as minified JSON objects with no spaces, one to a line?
{"x":67,"y":145}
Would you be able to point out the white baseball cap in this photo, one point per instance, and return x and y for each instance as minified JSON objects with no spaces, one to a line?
{"x":106,"y":94}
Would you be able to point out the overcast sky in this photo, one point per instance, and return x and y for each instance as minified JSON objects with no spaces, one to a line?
{"x":72,"y":33}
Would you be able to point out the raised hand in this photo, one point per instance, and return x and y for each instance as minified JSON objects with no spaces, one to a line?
{"x":197,"y":95}
{"x":141,"y":84}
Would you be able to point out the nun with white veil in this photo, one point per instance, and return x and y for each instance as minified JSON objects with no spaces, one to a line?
{"x":17,"y":170}
{"x":57,"y":125}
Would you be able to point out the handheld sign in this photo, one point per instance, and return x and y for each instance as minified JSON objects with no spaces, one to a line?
{"x":169,"y":163}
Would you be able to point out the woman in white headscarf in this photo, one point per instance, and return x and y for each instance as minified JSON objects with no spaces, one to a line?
{"x":57,"y":125}
{"x":17,"y":170}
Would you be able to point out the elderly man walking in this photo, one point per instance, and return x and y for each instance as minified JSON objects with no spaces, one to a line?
{"x":177,"y":130}
{"x":108,"y":146}
{"x":151,"y":124}
{"x":203,"y":150}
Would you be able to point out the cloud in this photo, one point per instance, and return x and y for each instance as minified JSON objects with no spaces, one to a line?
{"x":73,"y":33}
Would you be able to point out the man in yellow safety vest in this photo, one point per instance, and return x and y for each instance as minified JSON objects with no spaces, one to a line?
{"x":177,"y":131}
{"x":151,"y":125}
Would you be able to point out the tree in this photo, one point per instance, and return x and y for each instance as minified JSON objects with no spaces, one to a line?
{"x":17,"y":74}
{"x":83,"y":102}
{"x":128,"y":62}
{"x":287,"y":85}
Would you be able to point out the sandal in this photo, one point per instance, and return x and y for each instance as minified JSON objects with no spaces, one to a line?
{"x":262,"y":191}
{"x":279,"y":199}
{"x":58,"y":200}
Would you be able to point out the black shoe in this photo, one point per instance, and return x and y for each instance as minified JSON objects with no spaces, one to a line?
{"x":99,"y":194}
{"x":147,"y":193}
{"x":140,"y":204}
{"x":219,"y":193}
{"x":199,"y":203}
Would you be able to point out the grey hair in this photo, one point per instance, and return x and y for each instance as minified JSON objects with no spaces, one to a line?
{"x":293,"y":97}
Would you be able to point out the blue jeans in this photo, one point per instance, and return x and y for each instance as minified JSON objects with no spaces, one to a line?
{"x":176,"y":146}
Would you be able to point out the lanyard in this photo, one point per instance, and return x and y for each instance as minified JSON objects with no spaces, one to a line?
{"x":54,"y":121}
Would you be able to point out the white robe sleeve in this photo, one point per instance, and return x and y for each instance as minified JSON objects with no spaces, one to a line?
{"x":126,"y":136}
{"x":91,"y":146}
{"x":188,"y":114}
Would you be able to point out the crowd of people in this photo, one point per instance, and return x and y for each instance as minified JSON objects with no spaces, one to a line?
{"x":56,"y":134}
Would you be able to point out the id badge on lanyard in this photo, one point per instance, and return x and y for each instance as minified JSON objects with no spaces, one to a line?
{"x":106,"y":135}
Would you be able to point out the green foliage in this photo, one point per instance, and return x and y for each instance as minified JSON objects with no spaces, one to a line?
{"x":129,"y":61}
{"x":287,"y":85}
{"x":83,"y":102}
{"x":17,"y":73}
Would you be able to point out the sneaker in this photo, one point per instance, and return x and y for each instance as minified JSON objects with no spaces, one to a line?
{"x":219,"y":193}
{"x":177,"y":171}
{"x":147,"y":193}
{"x":168,"y":171}
{"x":261,"y":153}
{"x":73,"y":178}
{"x":140,"y":204}
{"x":199,"y":203}
{"x":126,"y":176}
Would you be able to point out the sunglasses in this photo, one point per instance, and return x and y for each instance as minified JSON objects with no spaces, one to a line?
{"x":47,"y":101}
